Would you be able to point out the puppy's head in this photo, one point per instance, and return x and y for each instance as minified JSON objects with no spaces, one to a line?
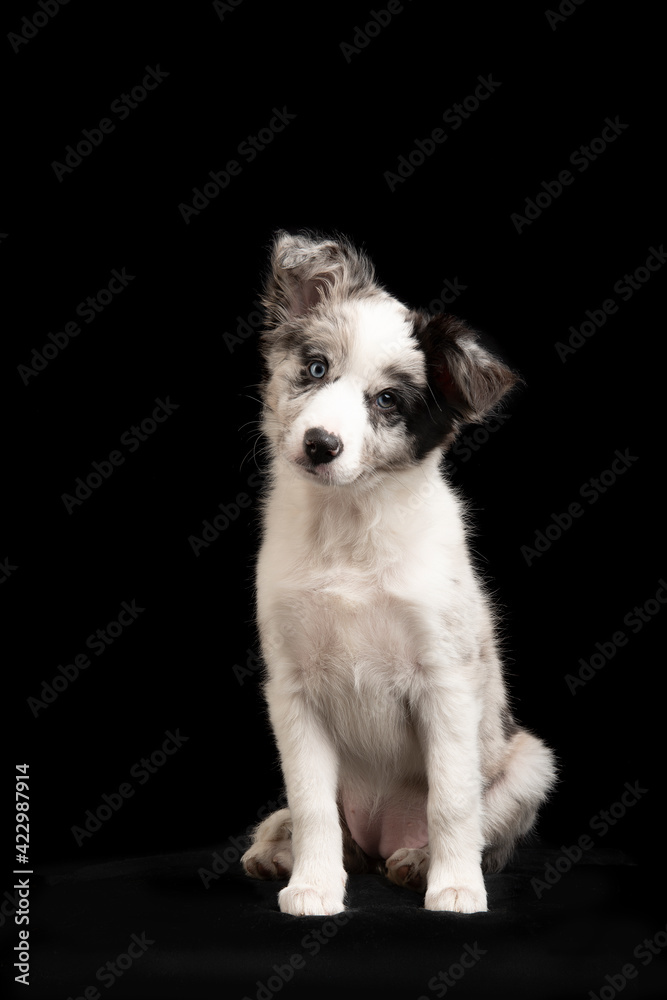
{"x":356,"y":383}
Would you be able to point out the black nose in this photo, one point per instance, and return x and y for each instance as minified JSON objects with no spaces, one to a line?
{"x":321,"y":447}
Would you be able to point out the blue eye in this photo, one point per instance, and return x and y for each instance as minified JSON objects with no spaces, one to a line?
{"x":317,"y":369}
{"x":386,"y":401}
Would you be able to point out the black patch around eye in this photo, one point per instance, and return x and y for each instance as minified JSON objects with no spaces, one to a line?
{"x":429,"y":422}
{"x":425,"y":414}
{"x":386,"y":417}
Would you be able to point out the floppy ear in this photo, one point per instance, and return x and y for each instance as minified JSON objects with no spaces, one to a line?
{"x":470,"y":378}
{"x":305,"y":270}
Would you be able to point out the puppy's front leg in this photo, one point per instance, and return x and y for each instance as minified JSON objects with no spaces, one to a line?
{"x":310,"y":770}
{"x":448,"y":721}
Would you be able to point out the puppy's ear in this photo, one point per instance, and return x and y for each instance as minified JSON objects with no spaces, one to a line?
{"x":305,"y":270}
{"x":470,"y":378}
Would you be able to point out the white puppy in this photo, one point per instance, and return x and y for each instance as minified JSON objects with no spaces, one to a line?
{"x":383,"y":682}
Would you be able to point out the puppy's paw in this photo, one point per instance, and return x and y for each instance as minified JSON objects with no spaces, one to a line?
{"x":408,"y":867}
{"x":461,"y":899}
{"x":268,"y":859}
{"x":310,"y":900}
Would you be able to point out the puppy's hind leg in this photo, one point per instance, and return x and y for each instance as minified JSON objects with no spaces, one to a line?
{"x":512,"y":799}
{"x":409,"y":867}
{"x":270,"y":854}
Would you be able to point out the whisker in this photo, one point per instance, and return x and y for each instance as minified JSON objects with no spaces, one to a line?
{"x":248,"y":424}
{"x":424,"y":401}
{"x":265,"y":452}
{"x":254,"y":399}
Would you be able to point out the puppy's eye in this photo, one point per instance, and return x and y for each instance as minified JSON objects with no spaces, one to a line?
{"x":317,"y":369}
{"x":386,"y":401}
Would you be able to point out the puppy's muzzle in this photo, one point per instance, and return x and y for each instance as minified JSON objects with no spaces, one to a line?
{"x":321,"y":447}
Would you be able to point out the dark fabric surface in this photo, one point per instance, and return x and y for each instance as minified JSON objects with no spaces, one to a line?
{"x":230,"y":940}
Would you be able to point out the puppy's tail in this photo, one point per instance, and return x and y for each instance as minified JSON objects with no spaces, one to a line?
{"x":513,"y":798}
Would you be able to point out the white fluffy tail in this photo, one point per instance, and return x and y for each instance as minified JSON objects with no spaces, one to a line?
{"x":512,"y":800}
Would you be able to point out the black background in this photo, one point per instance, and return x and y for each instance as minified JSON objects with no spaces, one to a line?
{"x":164,"y":336}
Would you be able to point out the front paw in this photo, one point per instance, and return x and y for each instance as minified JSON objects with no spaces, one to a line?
{"x":458,"y":899}
{"x":304,"y":900}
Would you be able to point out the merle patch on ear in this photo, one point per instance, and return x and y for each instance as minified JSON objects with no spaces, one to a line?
{"x":469,"y":377}
{"x":306,"y":270}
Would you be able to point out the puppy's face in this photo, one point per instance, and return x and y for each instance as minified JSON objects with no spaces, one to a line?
{"x":357,"y":384}
{"x":345,"y":389}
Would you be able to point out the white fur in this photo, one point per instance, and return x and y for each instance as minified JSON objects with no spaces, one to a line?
{"x":383,"y":685}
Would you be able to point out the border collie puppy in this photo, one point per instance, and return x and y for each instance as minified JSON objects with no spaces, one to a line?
{"x":383,"y":682}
